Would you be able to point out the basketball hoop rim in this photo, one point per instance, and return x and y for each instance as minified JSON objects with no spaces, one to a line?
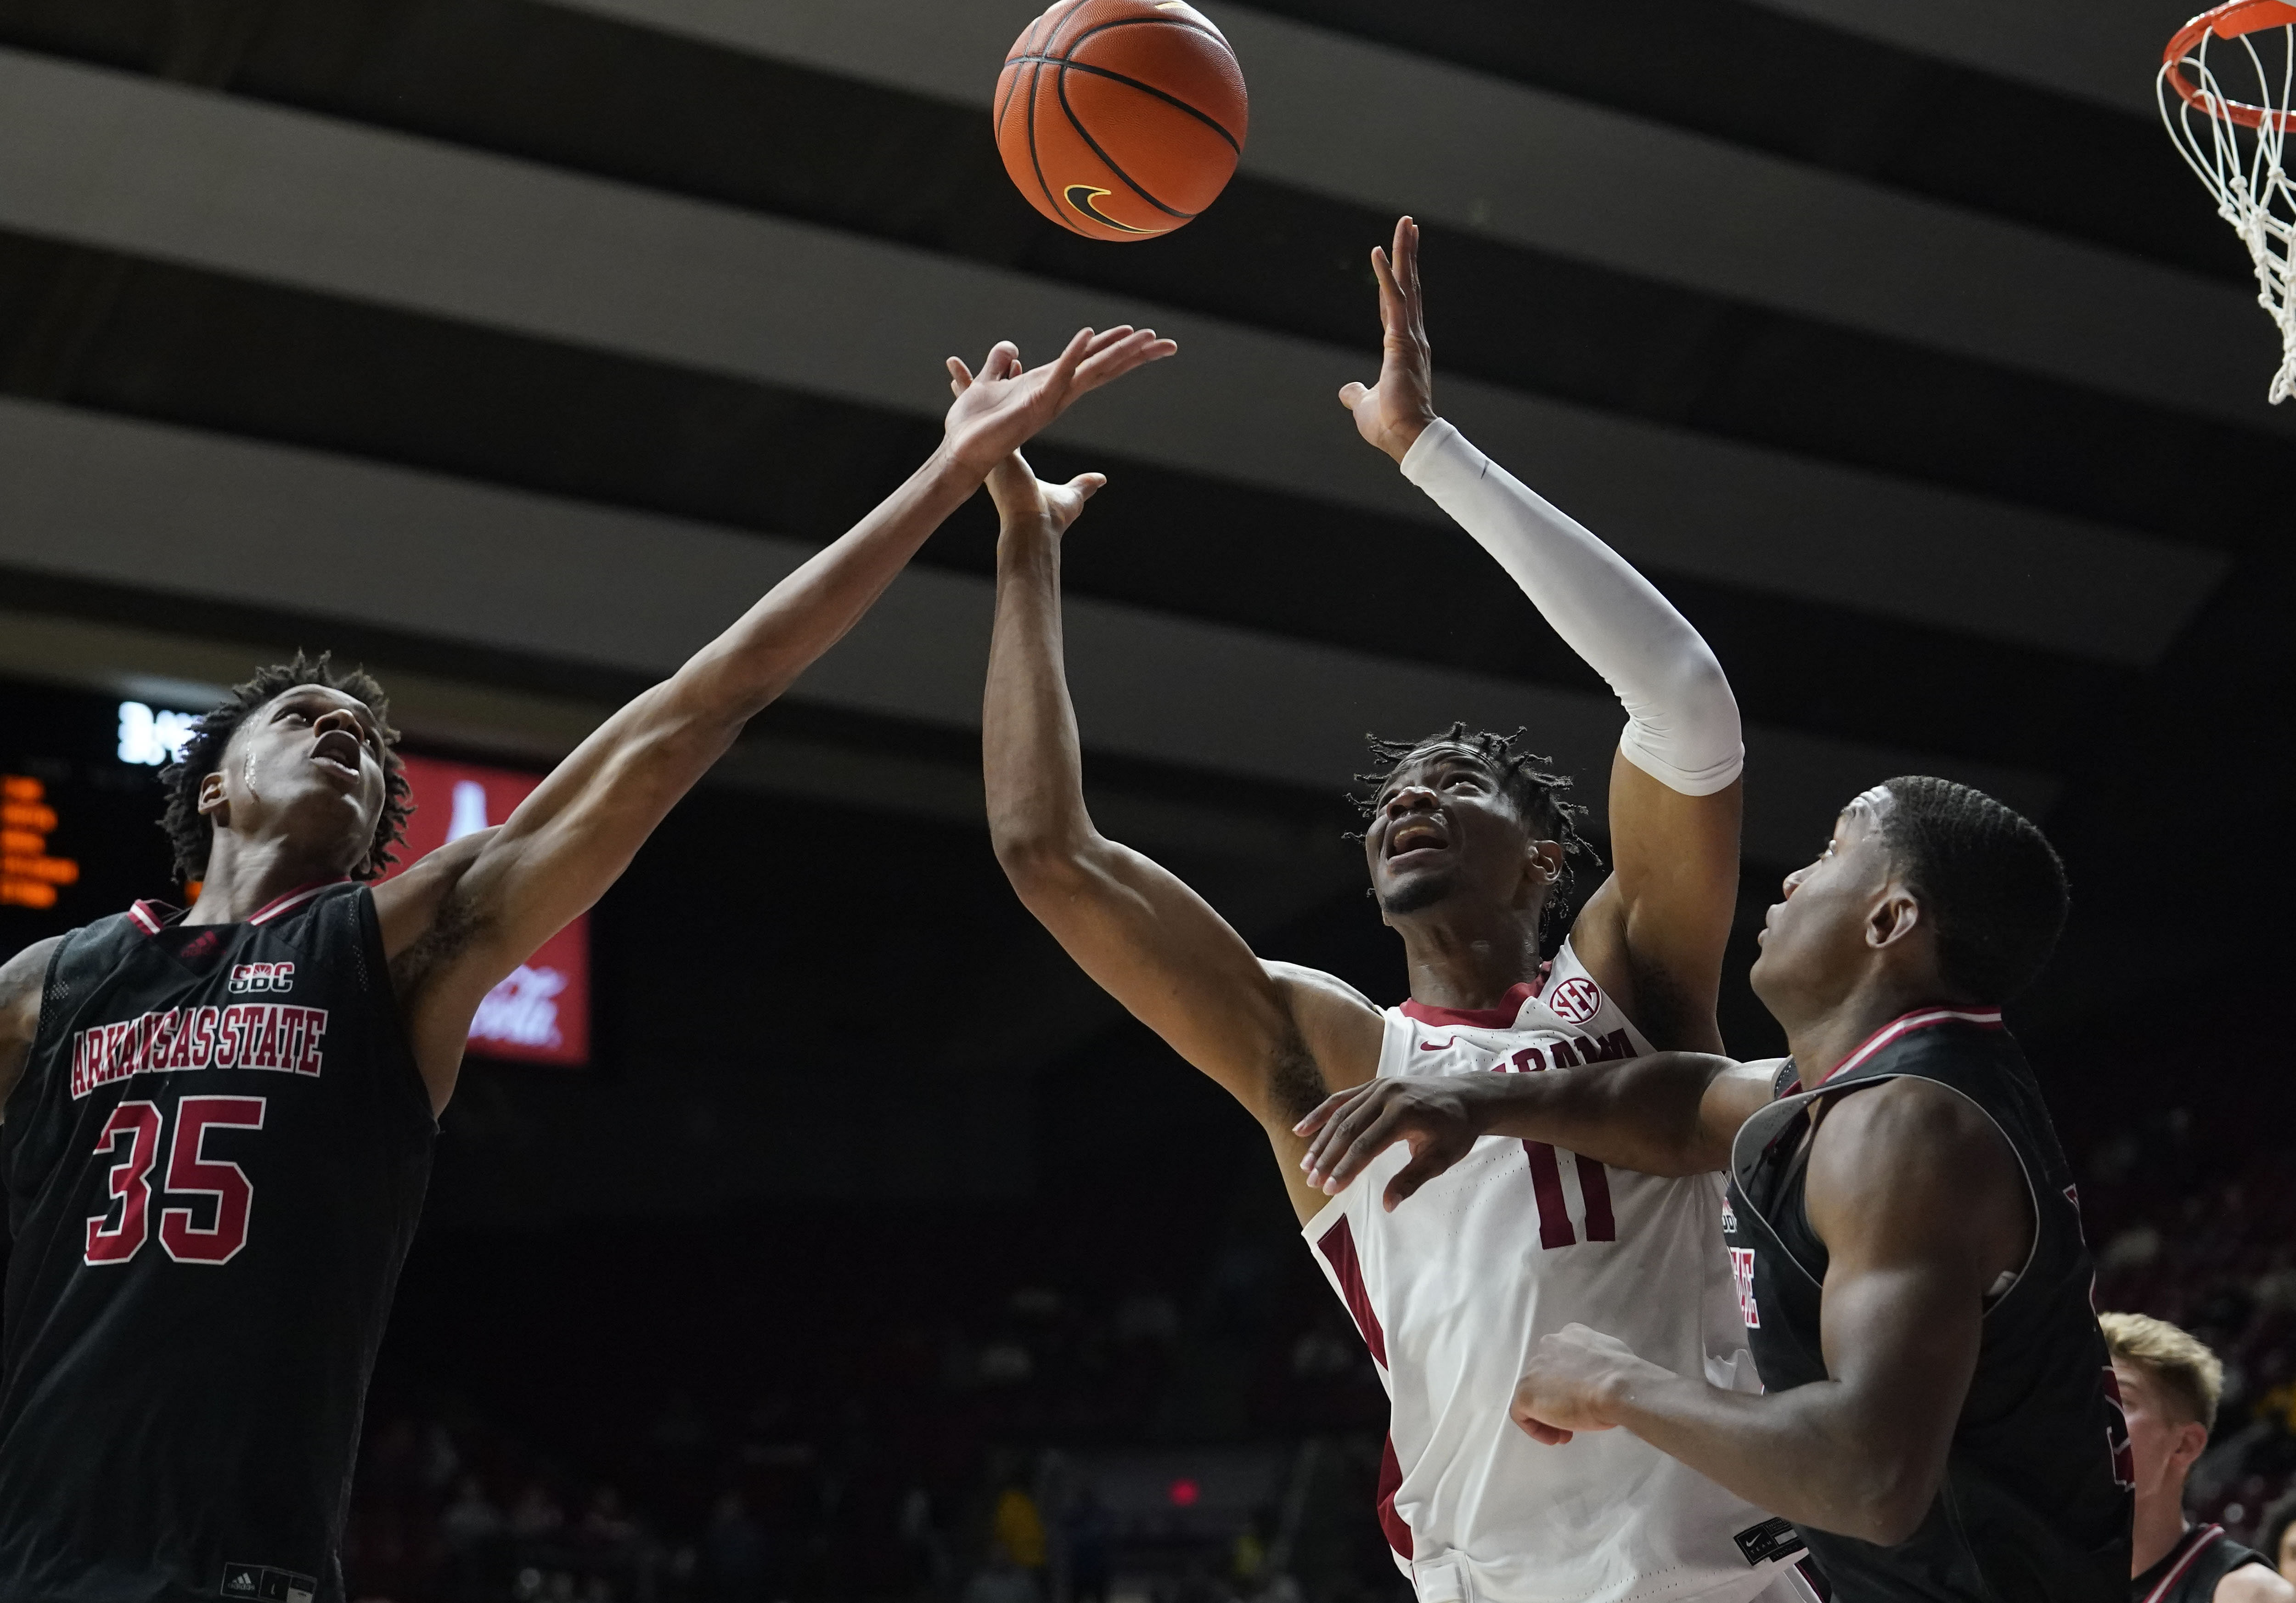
{"x":2230,"y":20}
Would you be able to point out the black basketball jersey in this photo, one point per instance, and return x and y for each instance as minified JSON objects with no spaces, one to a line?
{"x":2188,"y":1573}
{"x":213,"y":1164}
{"x":2036,"y":1502}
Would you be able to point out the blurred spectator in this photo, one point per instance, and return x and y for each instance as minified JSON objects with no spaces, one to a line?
{"x":605,"y":1523}
{"x":536,"y":1516}
{"x":1085,"y":1532}
{"x":474,"y":1532}
{"x":1020,"y":1527}
{"x":926,"y":1555}
{"x":733,"y":1554}
{"x":1148,"y":1317}
{"x":1004,"y":1362}
{"x":1003,"y":1579}
{"x":2276,"y":1535}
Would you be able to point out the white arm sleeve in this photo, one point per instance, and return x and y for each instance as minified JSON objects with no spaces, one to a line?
{"x":1682,"y":722}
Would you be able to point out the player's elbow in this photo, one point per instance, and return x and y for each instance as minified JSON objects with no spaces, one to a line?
{"x":1894,"y":1496}
{"x":1703,"y":708}
{"x":1042,"y":863}
{"x":1890,"y":1521}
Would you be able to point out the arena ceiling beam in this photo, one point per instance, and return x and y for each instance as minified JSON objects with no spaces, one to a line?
{"x":130,"y":164}
{"x":1367,"y":123}
{"x":208,"y":518}
{"x":2106,"y":50}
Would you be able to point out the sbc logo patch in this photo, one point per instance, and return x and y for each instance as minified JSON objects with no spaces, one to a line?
{"x":246,"y":977}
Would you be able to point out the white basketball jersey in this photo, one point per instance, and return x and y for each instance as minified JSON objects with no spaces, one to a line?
{"x":1452,"y":1292}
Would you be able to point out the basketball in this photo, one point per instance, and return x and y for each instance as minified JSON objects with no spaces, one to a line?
{"x":1120,"y":120}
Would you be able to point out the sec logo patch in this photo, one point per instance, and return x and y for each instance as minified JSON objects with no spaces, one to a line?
{"x":1576,"y":1001}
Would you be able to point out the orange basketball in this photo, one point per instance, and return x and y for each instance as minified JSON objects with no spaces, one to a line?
{"x":1120,"y":120}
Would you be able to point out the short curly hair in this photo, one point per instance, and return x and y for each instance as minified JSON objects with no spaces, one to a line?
{"x":1988,"y":876}
{"x":1539,"y":794}
{"x":190,"y":833}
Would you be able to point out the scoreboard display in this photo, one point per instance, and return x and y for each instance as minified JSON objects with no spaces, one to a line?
{"x":80,"y":839}
{"x":80,"y":824}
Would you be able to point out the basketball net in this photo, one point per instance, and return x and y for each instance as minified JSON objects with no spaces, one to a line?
{"x":2227,"y":81}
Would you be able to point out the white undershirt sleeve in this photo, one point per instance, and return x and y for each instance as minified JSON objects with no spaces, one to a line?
{"x":1682,"y":722}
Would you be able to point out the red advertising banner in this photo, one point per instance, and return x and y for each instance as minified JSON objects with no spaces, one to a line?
{"x":541,"y":1014}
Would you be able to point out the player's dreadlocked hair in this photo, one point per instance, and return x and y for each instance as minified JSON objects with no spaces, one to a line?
{"x":192,"y":835}
{"x":1539,"y":795}
{"x":1986,"y":876}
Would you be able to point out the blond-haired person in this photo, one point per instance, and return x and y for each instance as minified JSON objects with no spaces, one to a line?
{"x":2170,"y":1384}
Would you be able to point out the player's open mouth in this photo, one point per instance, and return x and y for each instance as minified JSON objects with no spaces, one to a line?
{"x":1419,"y":835}
{"x":337,"y":749}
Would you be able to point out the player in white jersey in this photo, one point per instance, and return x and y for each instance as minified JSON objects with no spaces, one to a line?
{"x":1468,"y":843}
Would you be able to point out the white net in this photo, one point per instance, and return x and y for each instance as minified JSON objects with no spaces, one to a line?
{"x":2225,"y":91}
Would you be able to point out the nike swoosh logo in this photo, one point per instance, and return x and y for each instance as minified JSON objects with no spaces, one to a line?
{"x":1085,"y":199}
{"x":1437,"y":1045}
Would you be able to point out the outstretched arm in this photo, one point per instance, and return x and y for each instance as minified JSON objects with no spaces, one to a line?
{"x":1653,"y":935}
{"x":455,"y":932}
{"x":1277,"y":1036}
{"x":1921,"y":1204}
{"x":1672,"y":1113}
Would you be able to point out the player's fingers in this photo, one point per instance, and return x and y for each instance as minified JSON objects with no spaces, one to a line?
{"x":1064,"y":365}
{"x":1323,"y":1111}
{"x":960,"y":377}
{"x":1339,"y":1126}
{"x":1405,"y":258}
{"x":1352,"y":394}
{"x":1367,"y":1133}
{"x":1533,"y":1426}
{"x":1088,"y":485}
{"x":1137,"y":350}
{"x":1390,"y":298}
{"x":1425,"y":1164}
{"x":1001,"y":358}
{"x":1107,"y":337}
{"x":1374,"y":1130}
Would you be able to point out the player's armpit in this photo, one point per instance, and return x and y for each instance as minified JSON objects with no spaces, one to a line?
{"x":407,"y":905}
{"x":22,"y":979}
{"x":1654,"y":935}
{"x":1734,"y":1095}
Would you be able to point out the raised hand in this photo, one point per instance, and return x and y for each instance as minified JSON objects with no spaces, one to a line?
{"x":1000,"y":408}
{"x":1392,"y":413}
{"x":1023,"y":500}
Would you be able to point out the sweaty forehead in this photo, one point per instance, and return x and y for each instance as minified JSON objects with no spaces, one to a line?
{"x":313,"y":700}
{"x":1441,"y":754}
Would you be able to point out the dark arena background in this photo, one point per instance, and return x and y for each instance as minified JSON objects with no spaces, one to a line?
{"x":809,"y":1229}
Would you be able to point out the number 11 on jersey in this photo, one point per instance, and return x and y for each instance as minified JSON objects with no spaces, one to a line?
{"x":1554,"y":1226}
